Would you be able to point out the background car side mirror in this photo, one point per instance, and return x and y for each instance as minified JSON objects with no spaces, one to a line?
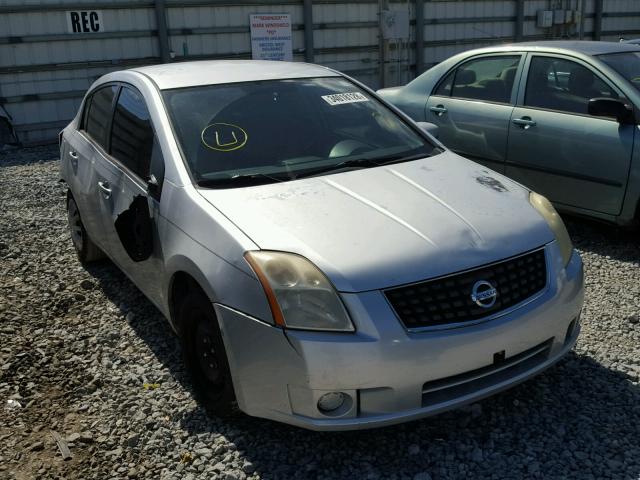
{"x":612,"y":107}
{"x":430,"y":128}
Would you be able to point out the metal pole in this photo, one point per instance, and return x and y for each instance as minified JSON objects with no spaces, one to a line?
{"x":308,"y":30}
{"x":519,"y":20}
{"x":581,"y":24}
{"x":163,"y":34}
{"x":382,"y":45}
{"x":597,"y":22}
{"x":419,"y":37}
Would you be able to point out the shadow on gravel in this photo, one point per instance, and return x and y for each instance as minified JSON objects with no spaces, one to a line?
{"x":604,"y":239}
{"x":579,"y":419}
{"x":15,"y":156}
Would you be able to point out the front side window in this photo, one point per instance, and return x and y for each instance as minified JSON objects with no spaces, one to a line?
{"x":563,"y":85}
{"x":262,"y":132}
{"x":132,"y":133}
{"x":488,"y":79}
{"x":98,"y":114}
{"x":626,"y":64}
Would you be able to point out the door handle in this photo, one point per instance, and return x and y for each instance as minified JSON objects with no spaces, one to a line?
{"x":525,"y":122}
{"x":73,"y":154}
{"x":438,"y":110}
{"x":104,"y":186}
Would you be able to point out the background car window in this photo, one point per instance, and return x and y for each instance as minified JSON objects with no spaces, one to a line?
{"x":563,"y":85}
{"x":489,"y":79}
{"x":99,"y":114}
{"x":626,"y":64}
{"x":444,"y":89}
{"x":132,"y":134}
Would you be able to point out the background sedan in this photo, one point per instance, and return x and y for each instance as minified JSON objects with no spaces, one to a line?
{"x":560,"y":117}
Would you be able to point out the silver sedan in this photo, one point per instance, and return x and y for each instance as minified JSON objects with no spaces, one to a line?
{"x":324,"y":260}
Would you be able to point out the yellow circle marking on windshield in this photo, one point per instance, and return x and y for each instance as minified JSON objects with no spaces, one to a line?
{"x":224,"y":137}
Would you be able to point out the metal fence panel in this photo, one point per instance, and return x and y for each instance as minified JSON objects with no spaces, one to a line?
{"x":44,"y":70}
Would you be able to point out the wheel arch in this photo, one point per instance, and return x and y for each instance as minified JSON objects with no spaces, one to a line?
{"x":185,"y":278}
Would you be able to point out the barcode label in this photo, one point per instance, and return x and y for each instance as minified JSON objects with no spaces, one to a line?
{"x":341,"y":98}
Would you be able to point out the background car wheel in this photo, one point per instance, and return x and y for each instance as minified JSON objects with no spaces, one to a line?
{"x":205,"y":356}
{"x":85,"y":248}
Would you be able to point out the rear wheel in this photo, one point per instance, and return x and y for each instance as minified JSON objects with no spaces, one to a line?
{"x":85,"y":248}
{"x":205,"y":355}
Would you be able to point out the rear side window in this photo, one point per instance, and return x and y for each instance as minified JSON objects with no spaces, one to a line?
{"x":563,"y":85}
{"x":489,"y":79}
{"x":444,"y":89}
{"x":98,"y":114}
{"x":132,"y":133}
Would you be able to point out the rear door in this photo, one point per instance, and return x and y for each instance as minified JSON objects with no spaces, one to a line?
{"x":132,"y":187}
{"x":472,"y":107}
{"x":557,"y":148}
{"x":85,"y":149}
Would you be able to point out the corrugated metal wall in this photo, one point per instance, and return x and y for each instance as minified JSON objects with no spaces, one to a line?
{"x":453,"y":26}
{"x":44,"y":70}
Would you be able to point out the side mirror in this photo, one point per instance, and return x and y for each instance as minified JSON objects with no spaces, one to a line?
{"x":612,"y":107}
{"x":430,"y":128}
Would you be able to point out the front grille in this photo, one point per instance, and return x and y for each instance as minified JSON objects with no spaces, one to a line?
{"x":502,"y":370}
{"x":448,"y":300}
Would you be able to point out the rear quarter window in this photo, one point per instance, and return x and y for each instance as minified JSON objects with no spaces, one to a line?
{"x":98,"y":114}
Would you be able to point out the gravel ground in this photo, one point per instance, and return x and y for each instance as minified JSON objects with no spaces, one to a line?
{"x":85,"y":356}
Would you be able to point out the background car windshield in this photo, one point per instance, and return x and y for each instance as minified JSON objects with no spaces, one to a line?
{"x":285,"y":128}
{"x":626,"y":64}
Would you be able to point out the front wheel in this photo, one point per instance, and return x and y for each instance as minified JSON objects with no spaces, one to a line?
{"x":85,"y":248}
{"x":205,"y":355}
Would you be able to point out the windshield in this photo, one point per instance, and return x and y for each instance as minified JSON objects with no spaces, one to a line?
{"x":626,"y":64}
{"x":262,"y":132}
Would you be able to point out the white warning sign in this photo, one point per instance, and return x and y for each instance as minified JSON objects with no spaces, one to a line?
{"x":271,"y":37}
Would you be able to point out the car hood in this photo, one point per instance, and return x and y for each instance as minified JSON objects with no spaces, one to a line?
{"x":385,"y":226}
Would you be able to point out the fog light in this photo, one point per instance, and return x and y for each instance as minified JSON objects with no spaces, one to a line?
{"x":331,"y":401}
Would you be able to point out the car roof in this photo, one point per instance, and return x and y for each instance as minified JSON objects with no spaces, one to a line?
{"x":580,"y":46}
{"x":211,"y":72}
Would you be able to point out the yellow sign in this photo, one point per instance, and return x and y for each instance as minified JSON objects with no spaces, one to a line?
{"x":224,"y":137}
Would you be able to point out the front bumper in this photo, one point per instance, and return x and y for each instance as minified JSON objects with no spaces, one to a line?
{"x":390,"y":374}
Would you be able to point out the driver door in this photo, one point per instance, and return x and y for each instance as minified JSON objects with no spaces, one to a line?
{"x":130,"y":201}
{"x":557,"y":148}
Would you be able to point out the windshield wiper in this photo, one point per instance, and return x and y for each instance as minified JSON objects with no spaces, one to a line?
{"x":241,"y":180}
{"x":341,"y":166}
{"x":364,"y":162}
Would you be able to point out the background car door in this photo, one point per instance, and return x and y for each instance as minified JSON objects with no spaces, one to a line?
{"x":84,"y":157}
{"x":557,"y":148}
{"x":472,"y":107}
{"x":131,"y":209}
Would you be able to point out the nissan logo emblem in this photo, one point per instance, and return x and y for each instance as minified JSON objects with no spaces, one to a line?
{"x":484,"y":294}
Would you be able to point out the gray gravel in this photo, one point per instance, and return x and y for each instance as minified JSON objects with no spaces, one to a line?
{"x":83,"y":354}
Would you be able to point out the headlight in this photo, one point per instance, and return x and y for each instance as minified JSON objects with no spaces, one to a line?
{"x":544,"y":207}
{"x":299,"y":294}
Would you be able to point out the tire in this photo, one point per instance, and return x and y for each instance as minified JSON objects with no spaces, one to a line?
{"x":85,"y":248}
{"x":205,"y":356}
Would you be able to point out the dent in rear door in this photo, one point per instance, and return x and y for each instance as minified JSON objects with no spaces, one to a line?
{"x":82,"y":180}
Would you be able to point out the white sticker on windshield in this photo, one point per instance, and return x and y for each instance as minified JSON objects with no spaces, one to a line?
{"x":340,"y":98}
